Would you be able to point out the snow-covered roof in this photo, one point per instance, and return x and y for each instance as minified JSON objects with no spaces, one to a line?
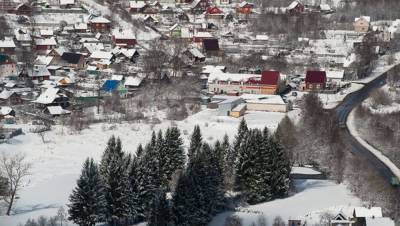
{"x":46,"y":32}
{"x":221,"y":76}
{"x":5,"y":110}
{"x":195,"y":52}
{"x":101,"y":55}
{"x":208,"y":69}
{"x":129,"y":53}
{"x":262,"y":37}
{"x":133,"y":81}
{"x":262,"y":99}
{"x":48,"y":96}
{"x":244,"y":3}
{"x":57,"y":110}
{"x":67,"y":2}
{"x":384,"y":221}
{"x":365,"y":212}
{"x":325,"y":7}
{"x":173,"y":27}
{"x":293,"y":5}
{"x":46,"y":42}
{"x":8,"y":43}
{"x":137,"y":4}
{"x":335,"y":74}
{"x":43,"y":60}
{"x":39,"y":71}
{"x":117,"y":77}
{"x":100,"y":20}
{"x":203,"y":35}
{"x":124,"y":35}
{"x":80,"y":26}
{"x":5,"y":94}
{"x":366,"y":18}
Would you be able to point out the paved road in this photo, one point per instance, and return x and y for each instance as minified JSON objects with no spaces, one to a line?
{"x":342,"y":112}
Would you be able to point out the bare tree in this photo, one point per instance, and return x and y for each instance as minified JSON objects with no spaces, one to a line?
{"x":15,"y":168}
{"x":61,"y":215}
{"x":233,"y":221}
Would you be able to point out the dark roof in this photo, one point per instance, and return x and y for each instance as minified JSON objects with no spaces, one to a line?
{"x":210,"y":44}
{"x":110,"y":85}
{"x":316,"y":77}
{"x":72,"y":58}
{"x":270,"y":77}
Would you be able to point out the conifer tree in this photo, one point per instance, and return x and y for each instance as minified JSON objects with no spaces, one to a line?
{"x":280,"y":168}
{"x":87,"y":199}
{"x":159,"y":212}
{"x":175,"y":153}
{"x":136,"y":209}
{"x":195,"y":143}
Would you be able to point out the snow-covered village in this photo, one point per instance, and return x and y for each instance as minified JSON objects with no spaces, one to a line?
{"x":199,"y":113}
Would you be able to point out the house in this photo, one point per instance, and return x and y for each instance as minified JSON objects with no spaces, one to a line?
{"x":74,"y":60}
{"x":315,"y":80}
{"x":222,"y":2}
{"x":81,"y":27}
{"x":362,"y":24}
{"x":294,"y":223}
{"x":66,"y":3}
{"x":6,"y":111}
{"x":137,"y":6}
{"x":360,"y":215}
{"x":45,"y":44}
{"x":23,"y":9}
{"x":226,"y":104}
{"x":198,"y":5}
{"x":7,"y":66}
{"x":56,"y":111}
{"x":175,"y":31}
{"x":200,"y":36}
{"x":52,"y":97}
{"x":111,"y":86}
{"x":325,"y":8}
{"x":194,"y":55}
{"x":23,"y":38}
{"x":150,"y":20}
{"x":7,"y":46}
{"x":341,"y":220}
{"x":152,"y":8}
{"x":295,"y":7}
{"x":100,"y":24}
{"x":10,"y":97}
{"x":101,"y":59}
{"x":383,"y":221}
{"x":46,"y":33}
{"x":261,"y":102}
{"x":133,"y":83}
{"x":39,"y":73}
{"x":266,"y":83}
{"x":244,"y":8}
{"x":43,"y":60}
{"x":125,"y":39}
{"x":211,"y":46}
{"x":214,"y":12}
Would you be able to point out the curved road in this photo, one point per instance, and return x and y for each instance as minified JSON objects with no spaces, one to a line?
{"x":342,"y":112}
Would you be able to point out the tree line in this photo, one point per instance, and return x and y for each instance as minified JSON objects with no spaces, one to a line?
{"x":164,"y":184}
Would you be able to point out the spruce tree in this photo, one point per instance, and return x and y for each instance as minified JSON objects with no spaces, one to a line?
{"x":175,"y":153}
{"x":184,"y":201}
{"x":149,"y":180}
{"x":195,"y":143}
{"x":280,"y":168}
{"x":87,"y":199}
{"x":159,"y":212}
{"x":136,"y":209}
{"x":113,"y":148}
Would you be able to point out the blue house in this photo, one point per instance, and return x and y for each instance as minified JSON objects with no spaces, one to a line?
{"x":110,"y":85}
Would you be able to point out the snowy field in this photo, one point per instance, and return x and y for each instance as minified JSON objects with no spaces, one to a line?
{"x":57,"y":163}
{"x":313,"y":198}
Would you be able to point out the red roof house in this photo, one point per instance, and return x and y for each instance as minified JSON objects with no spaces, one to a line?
{"x":244,"y":8}
{"x":268,"y":84}
{"x":214,"y":12}
{"x":315,"y":80}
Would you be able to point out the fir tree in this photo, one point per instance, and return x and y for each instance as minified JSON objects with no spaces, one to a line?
{"x":175,"y":153}
{"x":242,"y":130}
{"x":87,"y":199}
{"x":195,"y":143}
{"x":136,"y":209}
{"x":113,"y":148}
{"x":149,"y":180}
{"x":159,"y":212}
{"x":280,"y":168}
{"x":184,"y":201}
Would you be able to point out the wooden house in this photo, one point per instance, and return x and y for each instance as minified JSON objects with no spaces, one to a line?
{"x":137,"y":6}
{"x":362,"y":24}
{"x":124,"y":39}
{"x":74,"y":60}
{"x":214,"y":12}
{"x":244,"y":8}
{"x":315,"y":80}
{"x":7,"y":46}
{"x":296,"y":7}
{"x":23,"y":9}
{"x":100,"y":24}
{"x":42,"y":44}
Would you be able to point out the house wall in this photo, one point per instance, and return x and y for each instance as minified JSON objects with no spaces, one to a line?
{"x":267,"y":107}
{"x":7,"y":50}
{"x":314,"y":86}
{"x":240,"y":88}
{"x":361,"y":25}
{"x":44,"y":47}
{"x":128,"y":42}
{"x":100,"y":27}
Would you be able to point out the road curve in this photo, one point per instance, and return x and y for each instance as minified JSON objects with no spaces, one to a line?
{"x":342,"y":112}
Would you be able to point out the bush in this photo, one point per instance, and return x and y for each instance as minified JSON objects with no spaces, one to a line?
{"x":380,"y":97}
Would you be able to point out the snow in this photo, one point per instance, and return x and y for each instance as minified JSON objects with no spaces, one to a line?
{"x":365,"y":212}
{"x":221,"y":76}
{"x":304,"y":170}
{"x":5,"y":110}
{"x":57,"y":163}
{"x":48,"y":96}
{"x":46,"y":42}
{"x":379,"y":221}
{"x":353,"y":131}
{"x":57,"y":110}
{"x":313,"y":197}
{"x":99,"y":20}
{"x":101,"y":55}
{"x":133,"y":81}
{"x":366,"y":18}
{"x":7,"y":44}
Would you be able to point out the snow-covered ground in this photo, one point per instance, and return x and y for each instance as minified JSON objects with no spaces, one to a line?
{"x":57,"y":163}
{"x":353,"y":131}
{"x":313,"y":198}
